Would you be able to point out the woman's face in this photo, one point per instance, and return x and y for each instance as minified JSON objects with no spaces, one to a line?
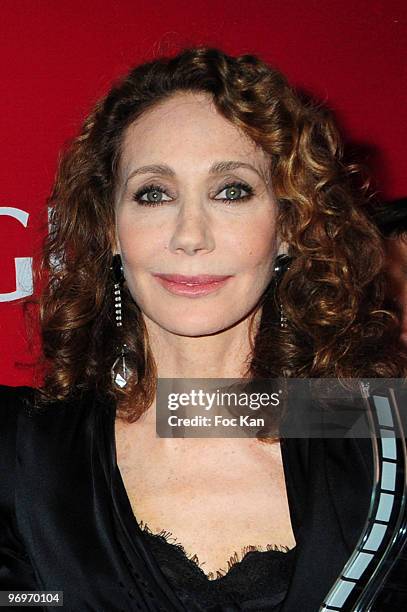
{"x":180,"y":162}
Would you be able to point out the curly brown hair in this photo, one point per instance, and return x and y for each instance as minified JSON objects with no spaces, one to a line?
{"x":339,"y":322}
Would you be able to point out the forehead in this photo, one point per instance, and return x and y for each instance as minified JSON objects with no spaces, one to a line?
{"x":187,"y":127}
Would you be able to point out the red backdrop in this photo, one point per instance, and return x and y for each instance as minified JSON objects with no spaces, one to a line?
{"x":59,"y":57}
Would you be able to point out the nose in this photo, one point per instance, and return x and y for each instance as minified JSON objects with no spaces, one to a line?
{"x":192,"y":232}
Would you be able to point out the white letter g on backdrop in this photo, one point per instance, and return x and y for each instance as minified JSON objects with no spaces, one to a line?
{"x":23,"y":265}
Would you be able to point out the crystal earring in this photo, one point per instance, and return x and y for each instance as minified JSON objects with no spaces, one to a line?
{"x":119,"y":371}
{"x":281,"y":265}
{"x":283,"y":318}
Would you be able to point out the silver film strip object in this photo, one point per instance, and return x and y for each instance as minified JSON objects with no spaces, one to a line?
{"x":385,"y":531}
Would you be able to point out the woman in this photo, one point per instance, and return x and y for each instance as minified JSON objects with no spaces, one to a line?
{"x":201,"y":165}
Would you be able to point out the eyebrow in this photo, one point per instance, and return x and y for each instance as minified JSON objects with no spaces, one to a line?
{"x":216,"y":168}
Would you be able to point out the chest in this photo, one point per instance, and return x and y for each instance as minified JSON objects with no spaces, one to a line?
{"x":215,"y":496}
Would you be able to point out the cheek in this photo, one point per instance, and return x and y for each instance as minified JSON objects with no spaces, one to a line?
{"x":255,"y":249}
{"x":250,"y":247}
{"x":136,"y":245}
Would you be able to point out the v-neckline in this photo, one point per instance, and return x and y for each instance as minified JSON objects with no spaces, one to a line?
{"x":193,"y":561}
{"x":133,"y":530}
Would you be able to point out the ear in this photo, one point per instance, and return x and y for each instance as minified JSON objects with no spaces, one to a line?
{"x":283,"y":248}
{"x":114,"y":239}
{"x":115,"y":245}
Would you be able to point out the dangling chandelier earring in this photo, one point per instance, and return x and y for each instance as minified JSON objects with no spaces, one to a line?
{"x":119,"y":371}
{"x":281,"y":265}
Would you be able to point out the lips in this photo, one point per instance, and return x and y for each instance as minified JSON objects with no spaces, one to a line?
{"x":192,"y":286}
{"x":201,"y":279}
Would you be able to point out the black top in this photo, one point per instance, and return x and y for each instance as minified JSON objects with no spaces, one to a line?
{"x":259,"y":581}
{"x":66,"y":522}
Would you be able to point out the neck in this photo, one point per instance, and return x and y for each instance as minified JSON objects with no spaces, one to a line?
{"x":225,"y":354}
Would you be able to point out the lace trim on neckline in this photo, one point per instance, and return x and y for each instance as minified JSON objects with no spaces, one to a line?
{"x":233,"y":559}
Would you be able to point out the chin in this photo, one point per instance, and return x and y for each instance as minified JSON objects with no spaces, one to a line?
{"x":194,"y":328}
{"x":184,"y":323}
